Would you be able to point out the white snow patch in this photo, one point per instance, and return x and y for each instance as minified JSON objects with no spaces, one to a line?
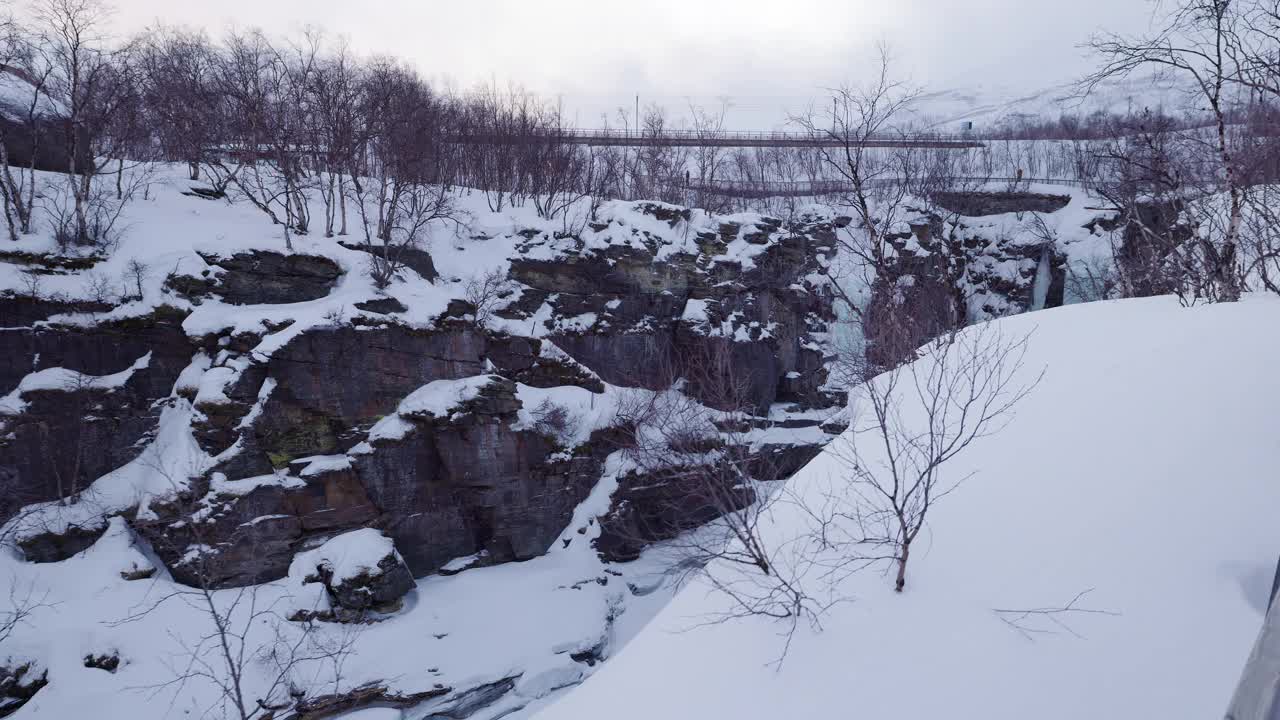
{"x":1116,"y":475}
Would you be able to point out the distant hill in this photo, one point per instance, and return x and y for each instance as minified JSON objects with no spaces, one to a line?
{"x":988,"y":106}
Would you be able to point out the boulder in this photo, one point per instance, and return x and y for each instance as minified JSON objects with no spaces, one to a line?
{"x":360,"y":572}
{"x":58,"y":544}
{"x":19,"y":682}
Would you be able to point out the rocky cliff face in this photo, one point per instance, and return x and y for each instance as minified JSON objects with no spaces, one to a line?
{"x":253,"y":418}
{"x":639,"y":309}
{"x":301,"y":422}
{"x":310,"y":432}
{"x":974,"y":256}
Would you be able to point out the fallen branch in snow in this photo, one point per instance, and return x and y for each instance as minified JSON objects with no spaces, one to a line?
{"x":1049,"y":620}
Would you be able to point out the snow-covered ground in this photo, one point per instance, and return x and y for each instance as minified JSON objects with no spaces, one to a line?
{"x":1143,"y":469}
{"x":519,"y":620}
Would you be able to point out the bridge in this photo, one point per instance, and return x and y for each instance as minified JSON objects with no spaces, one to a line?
{"x":808,"y":188}
{"x":606,"y":137}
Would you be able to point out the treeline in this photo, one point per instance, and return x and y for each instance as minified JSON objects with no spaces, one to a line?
{"x":283,"y":121}
{"x":304,"y":126}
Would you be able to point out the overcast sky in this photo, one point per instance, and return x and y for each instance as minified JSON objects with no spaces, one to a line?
{"x":764,"y":56}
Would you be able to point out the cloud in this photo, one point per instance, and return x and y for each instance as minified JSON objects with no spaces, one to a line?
{"x":600,"y":53}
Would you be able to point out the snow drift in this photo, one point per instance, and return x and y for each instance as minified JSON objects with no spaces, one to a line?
{"x":1142,"y":469}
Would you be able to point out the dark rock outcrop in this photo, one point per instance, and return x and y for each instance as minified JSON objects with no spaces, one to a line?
{"x":915,"y":296}
{"x":415,"y":259}
{"x":1148,"y":241}
{"x":382,"y":306}
{"x":72,"y":433}
{"x":262,"y":277}
{"x":471,"y":483}
{"x":652,"y":506}
{"x":56,"y":545}
{"x":978,"y":204}
{"x":943,"y":275}
{"x":255,"y":535}
{"x":322,"y":707}
{"x":621,"y":304}
{"x":18,"y":684}
{"x":450,"y":487}
{"x":21,"y":311}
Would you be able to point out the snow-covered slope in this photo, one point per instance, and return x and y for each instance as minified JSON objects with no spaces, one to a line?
{"x":988,"y":106}
{"x":1143,"y":468}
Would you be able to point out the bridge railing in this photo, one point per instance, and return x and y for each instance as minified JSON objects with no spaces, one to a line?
{"x":1257,"y":696}
{"x":800,"y":188}
{"x":754,"y":135}
{"x":730,"y":138}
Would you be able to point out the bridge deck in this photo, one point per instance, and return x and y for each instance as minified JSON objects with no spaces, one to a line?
{"x":807,"y":188}
{"x":690,"y":138}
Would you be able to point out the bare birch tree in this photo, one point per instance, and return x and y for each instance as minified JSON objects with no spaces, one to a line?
{"x":705,"y":488}
{"x":1198,"y":40}
{"x":910,"y":425}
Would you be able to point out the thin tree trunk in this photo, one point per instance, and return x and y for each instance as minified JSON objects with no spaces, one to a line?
{"x":8,"y":199}
{"x":329,"y":206}
{"x":12,"y":195}
{"x":342,"y":203}
{"x":29,"y":206}
{"x":903,"y":556}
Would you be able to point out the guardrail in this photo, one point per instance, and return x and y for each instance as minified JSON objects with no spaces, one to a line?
{"x":1257,"y":696}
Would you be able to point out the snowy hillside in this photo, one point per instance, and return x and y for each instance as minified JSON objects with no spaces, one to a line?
{"x":987,"y":106}
{"x":1142,"y":470}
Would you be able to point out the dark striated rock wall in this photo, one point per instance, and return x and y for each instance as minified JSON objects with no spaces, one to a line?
{"x":299,"y":457}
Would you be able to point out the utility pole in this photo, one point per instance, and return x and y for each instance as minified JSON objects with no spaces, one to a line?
{"x":637,"y":113}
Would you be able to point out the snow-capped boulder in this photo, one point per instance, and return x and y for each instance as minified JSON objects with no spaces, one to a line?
{"x":360,"y":571}
{"x":20,"y":680}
